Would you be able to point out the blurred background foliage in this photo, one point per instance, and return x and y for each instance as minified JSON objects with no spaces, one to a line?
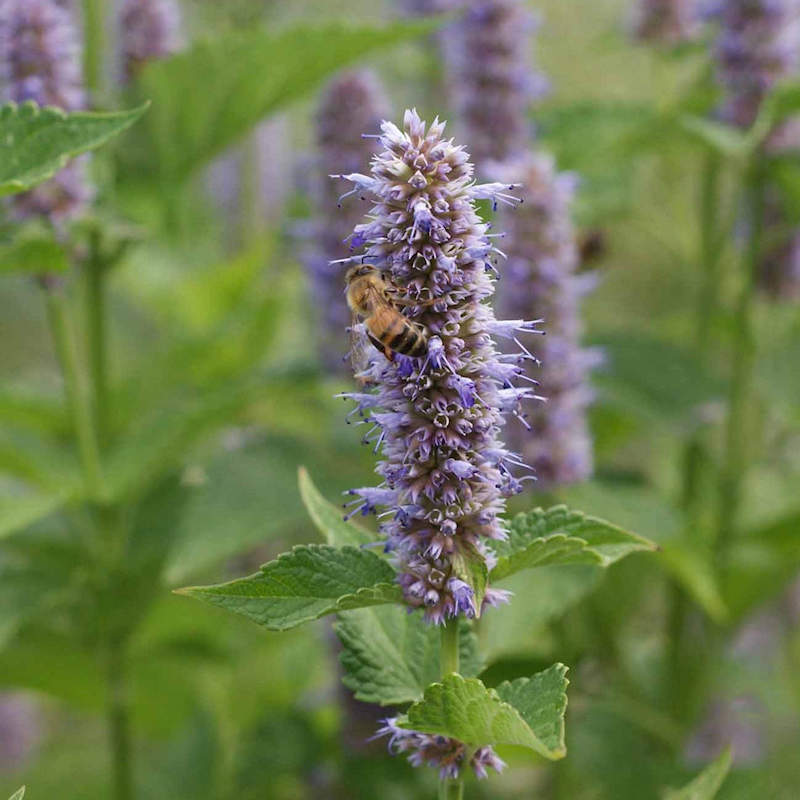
{"x":217,"y":396}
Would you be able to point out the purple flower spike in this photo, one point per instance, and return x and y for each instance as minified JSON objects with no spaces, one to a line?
{"x":758,"y":46}
{"x":439,"y":415}
{"x":491,"y":78}
{"x":148,"y":30}
{"x":351,"y":106}
{"x":666,"y":22}
{"x":40,"y":60}
{"x":442,"y":752}
{"x":540,"y":279}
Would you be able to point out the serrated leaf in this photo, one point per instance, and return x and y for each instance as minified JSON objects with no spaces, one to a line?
{"x":561,"y":536}
{"x":207,"y":97}
{"x":36,"y":142}
{"x":464,"y":709}
{"x":390,"y":656}
{"x":19,"y":794}
{"x":706,"y":785}
{"x":305,"y":584}
{"x":327,"y":518}
{"x":542,"y":702}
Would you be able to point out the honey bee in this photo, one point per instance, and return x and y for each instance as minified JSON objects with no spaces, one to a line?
{"x":371,"y":297}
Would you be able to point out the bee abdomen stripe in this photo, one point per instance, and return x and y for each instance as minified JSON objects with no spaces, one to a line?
{"x":418,"y":348}
{"x":399,"y":339}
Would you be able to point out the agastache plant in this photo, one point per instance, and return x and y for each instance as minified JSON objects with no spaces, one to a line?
{"x":492,"y":81}
{"x":665,"y":22}
{"x":351,"y":104}
{"x":40,"y":60}
{"x":438,"y":418}
{"x":148,"y":30}
{"x":490,"y":66}
{"x":540,"y":277}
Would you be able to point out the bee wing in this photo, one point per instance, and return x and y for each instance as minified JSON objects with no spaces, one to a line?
{"x":360,"y":347}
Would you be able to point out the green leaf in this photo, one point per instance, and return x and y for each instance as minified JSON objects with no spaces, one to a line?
{"x":19,"y":794}
{"x":706,"y":785}
{"x":249,"y":493}
{"x":328,"y":518}
{"x":207,"y":97}
{"x":464,"y":709}
{"x":519,"y":629}
{"x":655,"y":379}
{"x":761,"y":563}
{"x":305,"y":584}
{"x":389,"y":656}
{"x":542,"y":702}
{"x":692,"y":564}
{"x":37,"y":142}
{"x":33,"y":252}
{"x":561,"y":536}
{"x":782,"y":102}
{"x":720,"y":138}
{"x":18,"y":512}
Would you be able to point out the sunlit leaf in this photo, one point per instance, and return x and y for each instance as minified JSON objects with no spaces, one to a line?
{"x":528,"y":712}
{"x":305,"y":584}
{"x":561,"y":536}
{"x":36,"y":142}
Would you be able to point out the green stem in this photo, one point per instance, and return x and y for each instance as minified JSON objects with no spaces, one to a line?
{"x":96,"y":335}
{"x":251,"y":212}
{"x":710,"y":246}
{"x":74,"y":386}
{"x":93,"y":56}
{"x":450,"y":789}
{"x":740,"y":391}
{"x":119,"y":734}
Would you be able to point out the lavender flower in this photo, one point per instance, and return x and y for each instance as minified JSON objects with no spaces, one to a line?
{"x":491,"y":77}
{"x":352,"y":104}
{"x":540,"y":279}
{"x":40,"y":60}
{"x":149,"y":30}
{"x":20,"y":729}
{"x":758,"y":46}
{"x":666,"y":22}
{"x":448,"y":755}
{"x":438,"y":418}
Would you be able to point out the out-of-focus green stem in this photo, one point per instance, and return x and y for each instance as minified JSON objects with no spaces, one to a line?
{"x":74,"y":386}
{"x":740,"y":390}
{"x":710,"y":245}
{"x":119,"y":722}
{"x":96,"y":335}
{"x":93,"y":54}
{"x":450,"y":789}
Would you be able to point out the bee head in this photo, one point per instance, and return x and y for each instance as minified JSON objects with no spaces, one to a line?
{"x":359,"y":271}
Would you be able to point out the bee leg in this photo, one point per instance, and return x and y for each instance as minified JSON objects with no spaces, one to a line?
{"x":382,"y":348}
